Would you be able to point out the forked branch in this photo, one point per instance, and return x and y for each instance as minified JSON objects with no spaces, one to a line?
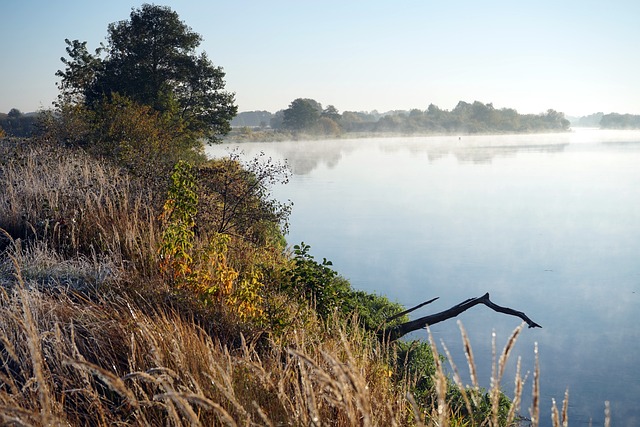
{"x":395,"y":332}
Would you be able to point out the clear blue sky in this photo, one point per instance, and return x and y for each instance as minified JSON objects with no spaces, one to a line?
{"x":578,"y":57}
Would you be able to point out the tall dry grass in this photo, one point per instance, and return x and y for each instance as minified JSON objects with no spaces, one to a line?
{"x":68,"y":360}
{"x":79,"y":205}
{"x":65,"y":360}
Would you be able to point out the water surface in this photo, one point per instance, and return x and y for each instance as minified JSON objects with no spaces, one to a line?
{"x":548,"y":224}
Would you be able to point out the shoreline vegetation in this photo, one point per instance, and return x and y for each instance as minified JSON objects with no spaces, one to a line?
{"x":465,"y":119}
{"x":110,"y":317}
{"x":129,"y":301}
{"x":307,"y":119}
{"x":143,"y":284}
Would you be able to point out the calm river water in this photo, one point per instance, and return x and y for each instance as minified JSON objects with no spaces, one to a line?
{"x":548,"y":224}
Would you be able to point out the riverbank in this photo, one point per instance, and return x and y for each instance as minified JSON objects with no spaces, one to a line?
{"x":94,"y":331}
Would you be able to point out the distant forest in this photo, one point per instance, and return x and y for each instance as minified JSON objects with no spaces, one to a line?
{"x":308,"y":117}
{"x":608,"y":121}
{"x":17,"y":124}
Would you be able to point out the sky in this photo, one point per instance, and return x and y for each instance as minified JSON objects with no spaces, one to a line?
{"x":577,"y":57}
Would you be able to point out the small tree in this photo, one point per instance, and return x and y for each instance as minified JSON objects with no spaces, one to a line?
{"x":332,"y":113}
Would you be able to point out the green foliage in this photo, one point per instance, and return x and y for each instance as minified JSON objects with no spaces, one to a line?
{"x":71,"y":125}
{"x":317,"y":282}
{"x":146,"y":99}
{"x":306,"y":118}
{"x":17,"y":124}
{"x":373,"y":310}
{"x":80,"y":73}
{"x":131,"y":135}
{"x":252,"y":119}
{"x":332,"y":113}
{"x":416,"y":365}
{"x":151,"y":59}
{"x":469,"y":118}
{"x":179,"y":218}
{"x":140,"y":138}
{"x":592,"y":120}
{"x":480,"y":404}
{"x":201,"y":264}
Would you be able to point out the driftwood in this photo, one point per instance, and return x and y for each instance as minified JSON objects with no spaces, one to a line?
{"x":395,"y":332}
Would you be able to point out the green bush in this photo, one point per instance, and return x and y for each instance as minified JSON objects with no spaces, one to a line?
{"x":319,"y":284}
{"x":135,"y":136}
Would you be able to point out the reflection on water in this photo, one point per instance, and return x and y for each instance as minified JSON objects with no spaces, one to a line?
{"x":303,"y":157}
{"x":548,"y":224}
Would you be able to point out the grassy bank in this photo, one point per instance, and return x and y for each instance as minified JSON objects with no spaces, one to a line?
{"x":108,"y":318}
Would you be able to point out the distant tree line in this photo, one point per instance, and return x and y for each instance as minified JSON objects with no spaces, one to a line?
{"x":608,"y":121}
{"x":17,"y":124}
{"x":592,"y":120}
{"x":307,"y":116}
{"x":620,"y":121}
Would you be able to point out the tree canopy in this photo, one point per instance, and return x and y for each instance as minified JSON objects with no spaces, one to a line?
{"x":152,"y":59}
{"x":302,"y":114}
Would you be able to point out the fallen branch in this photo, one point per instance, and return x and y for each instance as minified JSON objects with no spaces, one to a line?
{"x":395,"y":332}
{"x":402,"y":313}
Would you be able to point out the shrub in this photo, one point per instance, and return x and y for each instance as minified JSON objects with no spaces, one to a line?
{"x":200,"y":265}
{"x":328,"y":292}
{"x":235,"y":199}
{"x":132,"y":135}
{"x":317,"y":282}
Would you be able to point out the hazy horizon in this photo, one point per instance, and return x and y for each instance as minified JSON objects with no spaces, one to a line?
{"x":573,"y":57}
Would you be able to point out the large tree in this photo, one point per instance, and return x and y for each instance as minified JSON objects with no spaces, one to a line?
{"x":302,"y":114}
{"x":152,"y":59}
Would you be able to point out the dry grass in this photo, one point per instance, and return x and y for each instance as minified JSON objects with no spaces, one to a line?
{"x":69,"y":361}
{"x":78,"y":205}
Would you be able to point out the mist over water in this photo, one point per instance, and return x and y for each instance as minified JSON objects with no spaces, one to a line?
{"x":548,"y":224}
